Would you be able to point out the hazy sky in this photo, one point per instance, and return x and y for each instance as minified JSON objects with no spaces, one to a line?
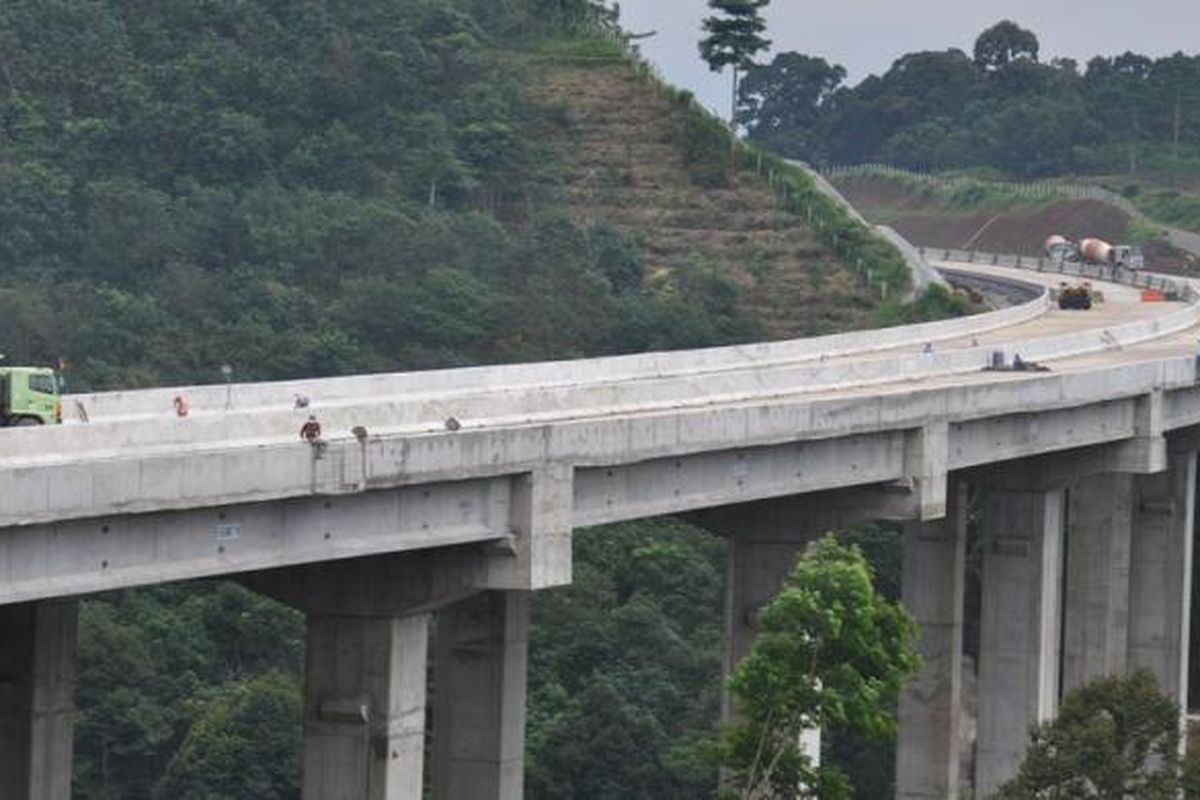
{"x":866,"y":36}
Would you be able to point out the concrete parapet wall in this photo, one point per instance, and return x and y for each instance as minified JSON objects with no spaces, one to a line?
{"x":427,"y":412}
{"x":46,"y":489}
{"x":213,"y":398}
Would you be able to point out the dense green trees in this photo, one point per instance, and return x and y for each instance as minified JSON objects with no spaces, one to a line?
{"x":832,"y":653}
{"x":1001,"y":108}
{"x":188,"y":691}
{"x":1114,"y":738}
{"x":1002,"y":44}
{"x":312,"y":190}
{"x":626,"y":662}
{"x":782,"y":100}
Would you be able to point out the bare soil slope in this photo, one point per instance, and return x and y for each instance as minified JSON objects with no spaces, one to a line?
{"x":1018,"y":229}
{"x":621,"y":143}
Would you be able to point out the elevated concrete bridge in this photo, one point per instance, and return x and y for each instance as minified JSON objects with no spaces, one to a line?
{"x":455,"y":493}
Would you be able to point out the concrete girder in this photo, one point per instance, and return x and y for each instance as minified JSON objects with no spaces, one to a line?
{"x":139,"y":480}
{"x":673,"y":485}
{"x":808,"y":515}
{"x":78,"y":557}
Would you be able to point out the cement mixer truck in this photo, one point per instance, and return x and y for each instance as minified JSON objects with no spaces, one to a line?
{"x":1093,"y":250}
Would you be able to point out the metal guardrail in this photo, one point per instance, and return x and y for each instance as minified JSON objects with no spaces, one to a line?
{"x":1171,"y":287}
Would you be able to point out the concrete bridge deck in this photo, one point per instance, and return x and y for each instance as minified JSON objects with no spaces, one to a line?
{"x":395,"y":513}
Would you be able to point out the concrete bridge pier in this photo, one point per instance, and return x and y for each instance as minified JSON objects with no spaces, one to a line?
{"x":366,"y":677}
{"x":365,"y":682}
{"x":364,"y":708}
{"x":1160,"y":584}
{"x":37,"y":686}
{"x":930,"y":715}
{"x":757,"y":570}
{"x":1096,"y":579}
{"x":766,"y":538}
{"x":1023,"y":533}
{"x":479,"y":697}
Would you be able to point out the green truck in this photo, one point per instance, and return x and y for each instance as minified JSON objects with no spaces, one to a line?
{"x":29,"y":396}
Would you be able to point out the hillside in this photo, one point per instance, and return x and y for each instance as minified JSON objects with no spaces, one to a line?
{"x":364,"y":185}
{"x":1000,"y":223}
{"x":623,"y":146}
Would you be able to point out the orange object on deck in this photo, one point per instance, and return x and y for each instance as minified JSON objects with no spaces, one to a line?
{"x":1152,"y":296}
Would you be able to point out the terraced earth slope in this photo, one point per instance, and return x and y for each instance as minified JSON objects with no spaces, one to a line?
{"x":622,"y":143}
{"x":1019,"y":228}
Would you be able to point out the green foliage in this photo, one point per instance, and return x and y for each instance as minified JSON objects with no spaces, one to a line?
{"x":936,"y":302}
{"x":625,"y":667}
{"x":1004,"y":43}
{"x":783,"y":99}
{"x":1179,"y":209}
{"x":305,"y":192}
{"x":831,"y":654}
{"x":735,"y":37}
{"x":245,"y":743}
{"x":1003,"y":108}
{"x":190,"y":667}
{"x":1114,"y":738}
{"x":704,"y":142}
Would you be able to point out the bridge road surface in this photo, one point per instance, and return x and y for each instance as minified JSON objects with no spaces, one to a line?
{"x":1122,"y":305}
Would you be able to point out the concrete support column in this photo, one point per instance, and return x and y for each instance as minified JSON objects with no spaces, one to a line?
{"x":756,"y":572}
{"x":927,"y":749}
{"x":479,"y":690}
{"x":37,"y":687}
{"x":1019,"y":627}
{"x":1096,"y":592}
{"x":364,"y":709}
{"x":1161,"y":574}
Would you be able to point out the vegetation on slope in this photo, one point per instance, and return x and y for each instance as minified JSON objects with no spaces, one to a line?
{"x":955,"y":212}
{"x":355,"y":185}
{"x":647,"y":164}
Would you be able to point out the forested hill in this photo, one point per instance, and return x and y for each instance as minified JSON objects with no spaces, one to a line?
{"x":1006,"y":105}
{"x":314,"y":188}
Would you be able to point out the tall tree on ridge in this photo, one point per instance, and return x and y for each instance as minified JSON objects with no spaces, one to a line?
{"x":734,"y":38}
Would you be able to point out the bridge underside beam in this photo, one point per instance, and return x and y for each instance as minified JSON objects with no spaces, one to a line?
{"x":80,"y":557}
{"x":672,"y":485}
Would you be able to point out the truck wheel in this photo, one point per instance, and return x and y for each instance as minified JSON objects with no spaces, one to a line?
{"x":26,"y":421}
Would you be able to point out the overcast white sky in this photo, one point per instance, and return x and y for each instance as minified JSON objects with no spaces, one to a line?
{"x":866,"y":36}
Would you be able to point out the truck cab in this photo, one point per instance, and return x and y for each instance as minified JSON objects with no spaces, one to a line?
{"x":1128,"y":256}
{"x":29,"y":396}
